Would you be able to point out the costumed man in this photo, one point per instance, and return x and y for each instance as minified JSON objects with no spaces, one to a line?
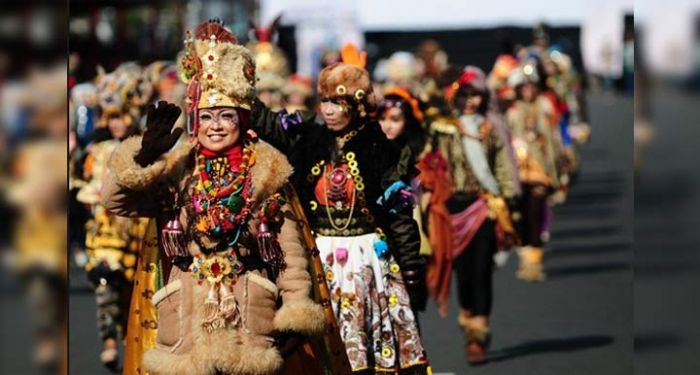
{"x":466,"y":173}
{"x":236,"y":288}
{"x":565,"y":162}
{"x":354,"y":195}
{"x":271,"y":64}
{"x":111,"y":242}
{"x":533,"y":123}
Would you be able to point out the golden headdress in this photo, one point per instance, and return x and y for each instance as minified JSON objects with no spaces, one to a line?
{"x":218,"y":71}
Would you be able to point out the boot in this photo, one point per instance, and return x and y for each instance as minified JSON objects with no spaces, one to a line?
{"x":477,"y":339}
{"x":46,"y":354}
{"x":110,"y":355}
{"x":530,"y":268}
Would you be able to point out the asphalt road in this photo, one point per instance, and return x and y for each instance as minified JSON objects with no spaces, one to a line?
{"x":667,"y":240}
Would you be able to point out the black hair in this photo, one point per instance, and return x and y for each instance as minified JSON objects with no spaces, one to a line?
{"x":413,"y":133}
{"x":468,"y":90}
{"x":519,"y":89}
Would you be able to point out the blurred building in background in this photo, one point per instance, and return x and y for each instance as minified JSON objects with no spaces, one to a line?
{"x":110,"y":32}
{"x":592,"y":33}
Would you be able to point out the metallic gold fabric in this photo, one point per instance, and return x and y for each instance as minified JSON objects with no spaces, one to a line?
{"x":142,"y":326}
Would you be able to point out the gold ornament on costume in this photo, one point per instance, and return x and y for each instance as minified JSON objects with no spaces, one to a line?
{"x":221,"y":271}
{"x":359,"y":94}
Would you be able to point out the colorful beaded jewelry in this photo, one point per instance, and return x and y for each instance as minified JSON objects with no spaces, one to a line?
{"x":221,"y":197}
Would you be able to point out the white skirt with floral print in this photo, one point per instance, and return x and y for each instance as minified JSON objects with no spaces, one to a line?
{"x":371,"y":305}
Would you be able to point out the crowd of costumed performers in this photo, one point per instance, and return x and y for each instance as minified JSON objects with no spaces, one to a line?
{"x":245,"y":220}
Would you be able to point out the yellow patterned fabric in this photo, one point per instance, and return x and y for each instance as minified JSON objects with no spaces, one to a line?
{"x":142,"y":326}
{"x":41,"y":242}
{"x":114,"y":240}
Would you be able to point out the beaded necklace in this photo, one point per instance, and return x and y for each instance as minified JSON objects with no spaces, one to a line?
{"x":335,"y":179}
{"x":221,"y":197}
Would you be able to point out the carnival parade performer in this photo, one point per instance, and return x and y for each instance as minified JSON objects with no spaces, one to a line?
{"x":537,"y":144}
{"x":235,"y":271}
{"x":467,"y":175}
{"x":400,"y":117}
{"x":358,"y":207}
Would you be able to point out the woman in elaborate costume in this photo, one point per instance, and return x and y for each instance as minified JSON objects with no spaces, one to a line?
{"x":354,"y":196}
{"x":237,"y":289}
{"x":400,"y":117}
{"x":466,"y":173}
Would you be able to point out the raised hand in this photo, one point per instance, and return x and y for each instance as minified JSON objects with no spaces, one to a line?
{"x":159,"y":136}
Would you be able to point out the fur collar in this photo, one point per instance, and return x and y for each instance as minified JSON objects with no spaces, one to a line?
{"x":269,"y":173}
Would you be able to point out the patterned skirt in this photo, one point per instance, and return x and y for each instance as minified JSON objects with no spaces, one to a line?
{"x":372,"y":306}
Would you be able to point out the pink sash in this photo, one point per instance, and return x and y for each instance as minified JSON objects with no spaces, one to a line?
{"x":465,"y":224}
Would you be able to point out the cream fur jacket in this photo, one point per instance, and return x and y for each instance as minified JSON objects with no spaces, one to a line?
{"x":267,"y":306}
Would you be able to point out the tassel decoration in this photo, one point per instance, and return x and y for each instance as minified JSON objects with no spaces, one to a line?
{"x":228,"y":307}
{"x":174,"y":239}
{"x":211,"y":308}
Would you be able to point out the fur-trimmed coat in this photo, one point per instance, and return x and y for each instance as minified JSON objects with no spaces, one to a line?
{"x":268,"y":305}
{"x":446,"y":137}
